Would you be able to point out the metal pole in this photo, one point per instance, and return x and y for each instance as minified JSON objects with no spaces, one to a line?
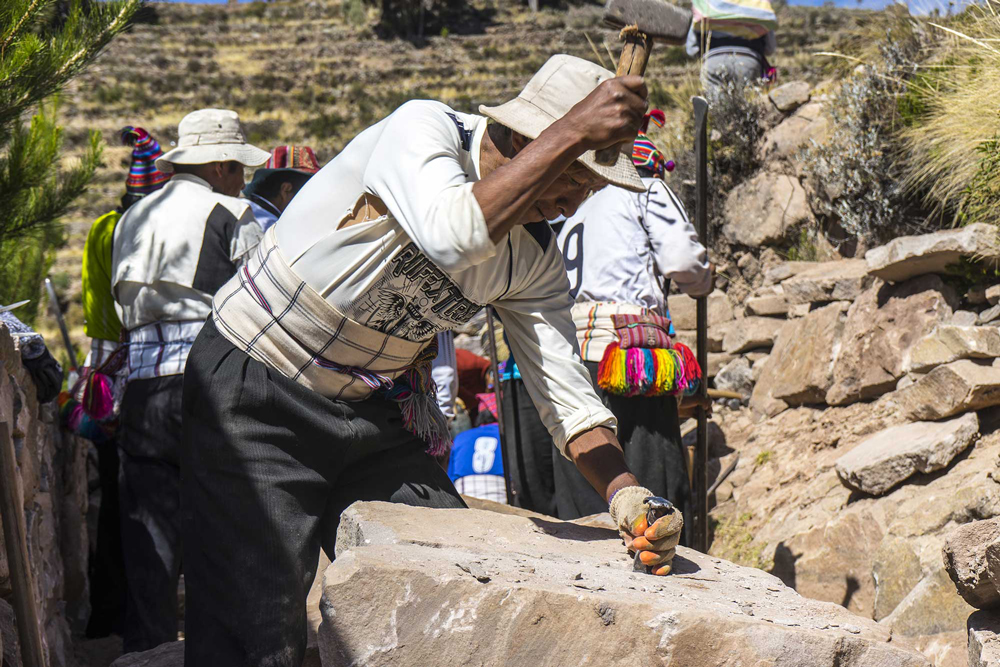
{"x":497,"y":393}
{"x":54,"y":305}
{"x":700,"y":486}
{"x":12,"y":516}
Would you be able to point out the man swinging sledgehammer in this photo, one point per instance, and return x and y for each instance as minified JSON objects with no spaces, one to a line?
{"x":308,"y":389}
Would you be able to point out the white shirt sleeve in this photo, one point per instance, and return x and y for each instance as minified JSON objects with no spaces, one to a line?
{"x":415,"y":169}
{"x":676,"y":250}
{"x":540,"y":331}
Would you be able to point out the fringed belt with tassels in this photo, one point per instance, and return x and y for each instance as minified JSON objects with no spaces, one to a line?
{"x":637,"y":354}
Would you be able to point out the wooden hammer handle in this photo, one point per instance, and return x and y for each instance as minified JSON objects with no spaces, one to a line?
{"x":633,"y":60}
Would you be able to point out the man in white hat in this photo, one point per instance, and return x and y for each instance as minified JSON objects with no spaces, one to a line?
{"x":309,"y":389}
{"x":172,"y":251}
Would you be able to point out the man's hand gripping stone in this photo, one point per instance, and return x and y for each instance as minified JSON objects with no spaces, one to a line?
{"x":656,"y":544}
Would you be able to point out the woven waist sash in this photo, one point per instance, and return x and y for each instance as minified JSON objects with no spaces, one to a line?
{"x":271,"y":314}
{"x":594,"y":328}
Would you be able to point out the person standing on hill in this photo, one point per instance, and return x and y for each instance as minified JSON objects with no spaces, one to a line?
{"x":102,"y":325}
{"x":172,"y":251}
{"x":734,"y":39}
{"x":272,"y":187}
{"x":310,"y":387}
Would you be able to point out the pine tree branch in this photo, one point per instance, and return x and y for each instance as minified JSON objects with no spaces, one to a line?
{"x":28,"y":16}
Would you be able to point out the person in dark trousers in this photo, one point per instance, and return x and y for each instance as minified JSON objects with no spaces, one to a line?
{"x":621,"y":251}
{"x":172,"y":251}
{"x":102,"y":324}
{"x":310,"y":387}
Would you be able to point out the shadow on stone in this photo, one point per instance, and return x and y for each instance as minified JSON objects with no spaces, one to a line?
{"x":575,"y":532}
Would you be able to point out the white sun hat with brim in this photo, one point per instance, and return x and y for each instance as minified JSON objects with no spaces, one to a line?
{"x":561,"y":83}
{"x":211,"y":135}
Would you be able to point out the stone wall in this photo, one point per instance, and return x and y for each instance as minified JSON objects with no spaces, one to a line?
{"x":52,"y":480}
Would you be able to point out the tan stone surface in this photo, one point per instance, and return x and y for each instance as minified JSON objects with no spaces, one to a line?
{"x":894,"y":569}
{"x":808,"y":124}
{"x":762,"y":210}
{"x":949,"y":390}
{"x":909,"y":256}
{"x":882,"y":325}
{"x":750,"y":333}
{"x":684,"y":314}
{"x":799,"y":369}
{"x":964,"y":554}
{"x":948,"y":343}
{"x":840,"y":280}
{"x":984,"y":639}
{"x":443,"y":585}
{"x":790,"y":514}
{"x":929,"y":608}
{"x":895,"y":454}
{"x":790,"y":96}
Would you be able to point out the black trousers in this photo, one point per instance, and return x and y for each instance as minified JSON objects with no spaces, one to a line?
{"x":530,"y":451}
{"x":267,"y":468}
{"x":649,"y":433}
{"x":149,"y":493}
{"x":106,"y":568}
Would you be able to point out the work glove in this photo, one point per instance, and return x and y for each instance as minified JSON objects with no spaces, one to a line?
{"x":656,"y":544}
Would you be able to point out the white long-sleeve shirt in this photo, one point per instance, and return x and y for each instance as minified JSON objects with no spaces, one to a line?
{"x":172,"y":250}
{"x":621,"y":246}
{"x":429,"y":264}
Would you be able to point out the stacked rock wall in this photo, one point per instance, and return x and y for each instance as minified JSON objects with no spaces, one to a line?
{"x":52,"y":481}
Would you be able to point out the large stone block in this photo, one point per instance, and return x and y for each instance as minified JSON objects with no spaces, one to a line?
{"x":808,"y":124}
{"x":895,"y":454}
{"x":895,"y":570}
{"x":164,"y":655}
{"x":931,"y":607}
{"x":841,"y":280}
{"x":761,"y":211}
{"x":684,"y":313}
{"x":909,"y":256}
{"x":964,"y":554}
{"x":948,"y":390}
{"x":984,"y":639}
{"x":790,"y":96}
{"x":750,"y":333}
{"x":882,"y":325}
{"x":799,"y":369}
{"x":948,"y":343}
{"x":413,"y":586}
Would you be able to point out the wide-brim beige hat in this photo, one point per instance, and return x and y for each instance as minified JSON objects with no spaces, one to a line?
{"x":211,"y":135}
{"x":561,"y":83}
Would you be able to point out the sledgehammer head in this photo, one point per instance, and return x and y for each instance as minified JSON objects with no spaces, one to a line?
{"x":659,"y":19}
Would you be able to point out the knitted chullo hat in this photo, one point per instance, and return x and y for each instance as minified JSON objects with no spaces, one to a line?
{"x":143,"y":176}
{"x":645,"y":154}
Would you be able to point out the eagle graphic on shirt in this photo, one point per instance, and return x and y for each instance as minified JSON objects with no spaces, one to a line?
{"x":412,"y":299}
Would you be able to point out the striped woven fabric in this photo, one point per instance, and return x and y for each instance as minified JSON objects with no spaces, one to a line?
{"x":743,"y":18}
{"x":646,"y":330}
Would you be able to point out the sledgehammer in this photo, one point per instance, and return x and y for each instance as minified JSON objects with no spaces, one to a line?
{"x":641,"y":21}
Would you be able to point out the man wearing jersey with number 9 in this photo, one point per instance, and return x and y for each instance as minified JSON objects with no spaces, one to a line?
{"x":622,"y":249}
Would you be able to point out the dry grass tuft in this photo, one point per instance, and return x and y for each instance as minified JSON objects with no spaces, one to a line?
{"x":958,"y":100}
